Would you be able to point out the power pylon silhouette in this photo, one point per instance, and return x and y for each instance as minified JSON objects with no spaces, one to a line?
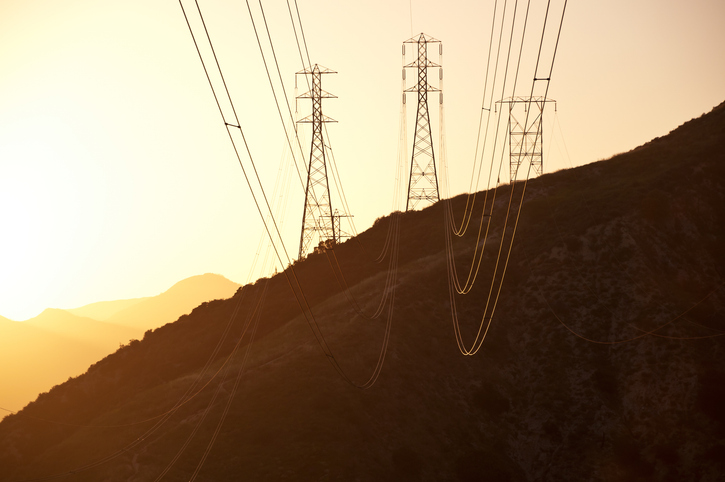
{"x":317,"y":217}
{"x":525,"y":133}
{"x":423,"y":181}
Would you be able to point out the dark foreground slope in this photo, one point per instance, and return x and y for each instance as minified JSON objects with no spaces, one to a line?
{"x":614,"y":250}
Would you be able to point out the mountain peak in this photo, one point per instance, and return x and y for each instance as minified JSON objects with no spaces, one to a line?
{"x":178,"y":300}
{"x":203,"y":281}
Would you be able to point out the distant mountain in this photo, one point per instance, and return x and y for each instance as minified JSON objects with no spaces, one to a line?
{"x":86,"y":330}
{"x":178,"y":300}
{"x":103,"y":310}
{"x":605,"y":359}
{"x":44,"y":351}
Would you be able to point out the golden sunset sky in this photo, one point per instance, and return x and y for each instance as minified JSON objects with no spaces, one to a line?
{"x":117,"y":178}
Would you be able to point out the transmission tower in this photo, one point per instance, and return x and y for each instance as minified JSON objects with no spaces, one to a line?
{"x":423,"y":181}
{"x":317,"y":217}
{"x":526,"y":141}
{"x":339,"y":233}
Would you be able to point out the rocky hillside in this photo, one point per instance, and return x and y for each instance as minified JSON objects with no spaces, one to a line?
{"x":605,"y":359}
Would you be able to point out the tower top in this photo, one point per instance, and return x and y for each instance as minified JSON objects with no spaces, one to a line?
{"x":421,"y":38}
{"x":316,"y":69}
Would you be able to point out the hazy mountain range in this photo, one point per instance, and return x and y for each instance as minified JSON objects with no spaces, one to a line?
{"x":44,"y":351}
{"x":605,"y":359}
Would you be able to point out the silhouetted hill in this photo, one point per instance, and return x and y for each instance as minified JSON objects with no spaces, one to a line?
{"x":103,"y":310}
{"x":178,"y":300}
{"x":44,"y":351}
{"x":83,"y":329}
{"x":625,"y":249}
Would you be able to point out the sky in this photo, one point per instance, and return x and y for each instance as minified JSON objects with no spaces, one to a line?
{"x":117,"y":176}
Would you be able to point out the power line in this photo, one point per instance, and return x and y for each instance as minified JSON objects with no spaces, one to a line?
{"x":477,"y":257}
{"x":471,"y":198}
{"x":289,"y":273}
{"x":548,"y":83}
{"x":644,"y":333}
{"x":271,"y":85}
{"x":487,"y":318}
{"x":253,"y":315}
{"x":478,"y":254}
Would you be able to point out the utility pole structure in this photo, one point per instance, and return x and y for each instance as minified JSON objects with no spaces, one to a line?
{"x":339,"y":233}
{"x":526,"y":138}
{"x":423,"y":181}
{"x":317,"y":217}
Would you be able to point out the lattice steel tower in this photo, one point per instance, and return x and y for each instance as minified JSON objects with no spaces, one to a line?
{"x":526,"y":133}
{"x":317,"y":217}
{"x":423,"y":182}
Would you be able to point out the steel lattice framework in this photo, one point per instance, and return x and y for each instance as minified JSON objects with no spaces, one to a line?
{"x":317,"y":217}
{"x":423,"y":181}
{"x":526,"y":138}
{"x":336,"y":224}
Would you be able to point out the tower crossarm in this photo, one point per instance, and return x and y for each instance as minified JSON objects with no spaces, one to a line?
{"x":427,"y":87}
{"x":322,"y":95}
{"x":421,"y":37}
{"x":310,"y":119}
{"x":316,"y":69}
{"x":416,"y":64}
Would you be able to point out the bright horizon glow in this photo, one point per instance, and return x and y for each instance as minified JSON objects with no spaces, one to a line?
{"x":117,"y":179}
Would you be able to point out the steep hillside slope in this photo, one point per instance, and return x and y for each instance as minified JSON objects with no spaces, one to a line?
{"x":44,"y":351}
{"x":604,"y":360}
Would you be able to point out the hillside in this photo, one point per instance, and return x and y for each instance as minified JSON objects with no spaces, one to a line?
{"x":630,"y":248}
{"x":57,"y":344}
{"x":46,"y":350}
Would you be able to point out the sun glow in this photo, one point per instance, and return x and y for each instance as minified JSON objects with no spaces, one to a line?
{"x":116,"y":175}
